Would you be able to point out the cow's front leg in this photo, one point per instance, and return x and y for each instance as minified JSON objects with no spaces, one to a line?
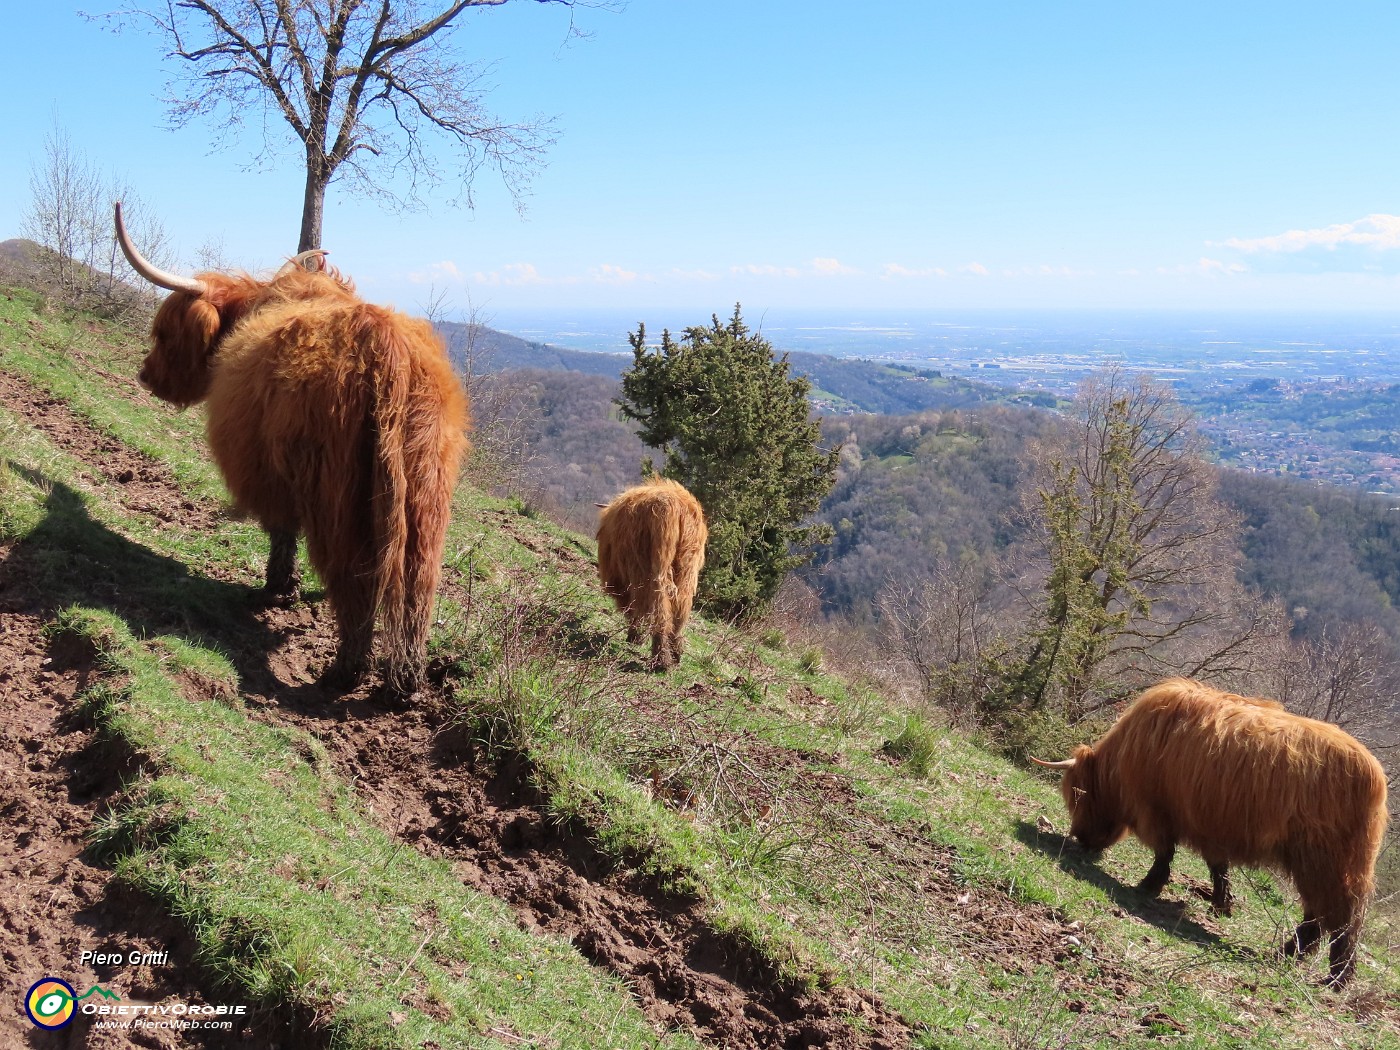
{"x":1158,"y":875}
{"x":283,"y":585}
{"x":1221,"y":901}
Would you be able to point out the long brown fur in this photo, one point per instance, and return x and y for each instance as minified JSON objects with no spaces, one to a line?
{"x":651,"y":548}
{"x":332,"y":417}
{"x":1241,"y":781}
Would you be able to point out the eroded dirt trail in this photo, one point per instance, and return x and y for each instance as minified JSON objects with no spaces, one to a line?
{"x":431,"y":797}
{"x":144,"y":486}
{"x":423,"y":787}
{"x":55,"y":903}
{"x":55,"y":781}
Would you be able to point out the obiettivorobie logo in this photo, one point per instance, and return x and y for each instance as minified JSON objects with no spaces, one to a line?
{"x":51,"y":1002}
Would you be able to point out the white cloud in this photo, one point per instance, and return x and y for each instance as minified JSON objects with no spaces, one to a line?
{"x":1380,"y":232}
{"x":752,"y":270}
{"x":1045,"y":270}
{"x":1204,"y":266}
{"x":607,"y":273}
{"x":974,"y":268}
{"x":445,"y":271}
{"x":832,"y":268}
{"x":511,"y":275}
{"x":893,"y":270}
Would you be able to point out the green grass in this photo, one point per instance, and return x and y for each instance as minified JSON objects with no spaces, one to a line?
{"x":295,"y":899}
{"x":841,"y":838}
{"x":830,"y":890}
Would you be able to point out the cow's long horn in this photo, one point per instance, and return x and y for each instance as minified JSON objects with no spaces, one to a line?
{"x":313,"y":261}
{"x":171,"y":281}
{"x":1067,"y":763}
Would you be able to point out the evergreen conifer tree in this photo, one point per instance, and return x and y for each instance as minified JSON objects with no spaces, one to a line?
{"x":737,"y":431}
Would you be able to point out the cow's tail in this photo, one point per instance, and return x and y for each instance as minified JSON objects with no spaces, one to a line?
{"x":667,"y":538}
{"x":420,"y":420}
{"x":389,"y":494}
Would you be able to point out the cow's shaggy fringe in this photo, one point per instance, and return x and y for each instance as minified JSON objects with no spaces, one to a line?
{"x":336,"y":418}
{"x":651,"y":548}
{"x":1241,"y":781}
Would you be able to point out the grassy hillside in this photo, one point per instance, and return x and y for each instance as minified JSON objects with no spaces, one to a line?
{"x":554,"y":847}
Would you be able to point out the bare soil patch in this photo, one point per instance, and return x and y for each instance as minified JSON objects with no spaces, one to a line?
{"x":54,"y":901}
{"x":424,"y":786}
{"x":143,"y":485}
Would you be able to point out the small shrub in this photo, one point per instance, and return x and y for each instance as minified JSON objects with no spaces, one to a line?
{"x":916,"y":746}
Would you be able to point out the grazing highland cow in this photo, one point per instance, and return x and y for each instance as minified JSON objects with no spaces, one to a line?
{"x":327,"y":416}
{"x":1241,"y":781}
{"x":651,"y":548}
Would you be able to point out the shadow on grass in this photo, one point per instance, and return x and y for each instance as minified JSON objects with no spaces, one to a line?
{"x":72,"y":559}
{"x":1072,"y":858}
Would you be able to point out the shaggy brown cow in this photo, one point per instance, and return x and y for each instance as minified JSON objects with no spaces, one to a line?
{"x":327,"y":416}
{"x":651,"y":548}
{"x":1241,"y":781}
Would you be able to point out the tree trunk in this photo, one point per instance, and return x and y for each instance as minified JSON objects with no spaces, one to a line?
{"x":312,"y":209}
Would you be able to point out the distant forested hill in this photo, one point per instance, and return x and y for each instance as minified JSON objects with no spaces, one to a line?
{"x":915,"y":488}
{"x":941,"y":482}
{"x":499,"y":351}
{"x":838,"y":384}
{"x":1332,"y":554}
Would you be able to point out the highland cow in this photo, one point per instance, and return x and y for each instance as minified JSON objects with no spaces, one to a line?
{"x":331,"y":417}
{"x":1241,"y":781}
{"x":651,"y":548}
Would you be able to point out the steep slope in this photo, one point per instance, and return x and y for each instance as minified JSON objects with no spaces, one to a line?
{"x":556,"y":847}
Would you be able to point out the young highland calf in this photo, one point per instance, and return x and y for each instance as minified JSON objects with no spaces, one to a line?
{"x":651,"y":548}
{"x":327,"y":416}
{"x":1241,"y":781}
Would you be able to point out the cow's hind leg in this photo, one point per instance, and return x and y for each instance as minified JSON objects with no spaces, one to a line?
{"x":1304,"y":940}
{"x":663,"y":655}
{"x":352,"y":596}
{"x":283,"y":585}
{"x":1221,"y":901}
{"x":1159,"y":874}
{"x":1342,"y":919}
{"x":1342,"y":958}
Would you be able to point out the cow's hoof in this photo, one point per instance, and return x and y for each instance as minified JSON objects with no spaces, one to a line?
{"x":401,"y":684}
{"x":274,"y":597}
{"x":280,"y":599}
{"x":341,"y":677}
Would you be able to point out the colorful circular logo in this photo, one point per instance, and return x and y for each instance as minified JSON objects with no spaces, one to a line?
{"x":50,"y":1002}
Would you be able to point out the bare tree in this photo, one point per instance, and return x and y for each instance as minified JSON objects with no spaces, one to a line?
{"x":64,"y":192}
{"x":365,"y":86}
{"x":1141,"y":554}
{"x":1349,"y":676}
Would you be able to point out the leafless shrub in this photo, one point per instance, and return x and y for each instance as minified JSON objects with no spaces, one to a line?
{"x":837,"y":644}
{"x":941,"y":623}
{"x":1348,"y":675}
{"x":504,"y":458}
{"x":78,"y":263}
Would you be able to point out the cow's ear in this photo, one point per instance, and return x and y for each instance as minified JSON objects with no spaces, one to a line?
{"x":201,"y":322}
{"x":1083,"y":756}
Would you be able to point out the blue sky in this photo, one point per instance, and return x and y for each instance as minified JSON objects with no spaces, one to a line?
{"x":818,"y":154}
